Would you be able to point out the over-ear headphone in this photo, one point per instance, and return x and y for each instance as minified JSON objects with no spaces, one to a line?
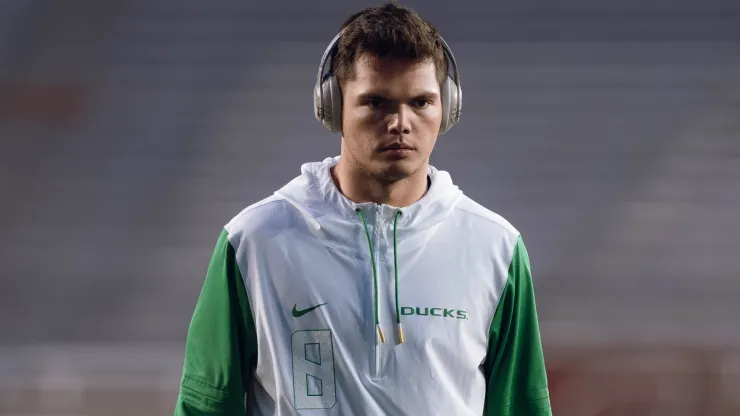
{"x":328,"y":96}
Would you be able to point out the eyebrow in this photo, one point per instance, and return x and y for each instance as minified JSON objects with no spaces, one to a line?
{"x":378,"y":94}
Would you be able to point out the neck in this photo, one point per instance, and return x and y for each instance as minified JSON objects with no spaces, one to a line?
{"x":360,"y":187}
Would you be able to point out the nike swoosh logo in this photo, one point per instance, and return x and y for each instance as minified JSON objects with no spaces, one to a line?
{"x":298,"y":314}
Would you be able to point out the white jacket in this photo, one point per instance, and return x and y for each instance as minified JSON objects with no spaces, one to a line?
{"x":316,"y":305}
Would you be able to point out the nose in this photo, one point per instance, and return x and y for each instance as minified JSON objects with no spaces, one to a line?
{"x":399,"y":123}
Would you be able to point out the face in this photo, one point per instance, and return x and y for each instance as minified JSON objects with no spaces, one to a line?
{"x":391,"y":116}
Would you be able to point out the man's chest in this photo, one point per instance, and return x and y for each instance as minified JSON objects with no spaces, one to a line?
{"x":440,"y":294}
{"x":319,"y":313}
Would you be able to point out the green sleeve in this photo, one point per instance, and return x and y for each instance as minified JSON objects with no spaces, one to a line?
{"x":515,"y":365}
{"x":221,"y":345}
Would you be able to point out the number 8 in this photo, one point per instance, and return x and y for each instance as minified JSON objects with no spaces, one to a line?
{"x":314,"y":383}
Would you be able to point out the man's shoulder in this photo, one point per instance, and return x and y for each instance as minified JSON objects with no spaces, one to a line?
{"x":485,"y":218}
{"x":266,"y":214}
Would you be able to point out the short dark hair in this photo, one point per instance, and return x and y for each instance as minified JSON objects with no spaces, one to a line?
{"x":390,"y":31}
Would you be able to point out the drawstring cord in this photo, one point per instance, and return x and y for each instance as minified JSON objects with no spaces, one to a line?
{"x":375,"y":274}
{"x":395,"y":276}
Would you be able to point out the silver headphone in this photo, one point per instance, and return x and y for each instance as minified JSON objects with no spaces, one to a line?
{"x":328,"y":96}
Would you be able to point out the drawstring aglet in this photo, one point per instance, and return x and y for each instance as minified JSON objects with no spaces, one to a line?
{"x":380,"y":332}
{"x":400,"y":334}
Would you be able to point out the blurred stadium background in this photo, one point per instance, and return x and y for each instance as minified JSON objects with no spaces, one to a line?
{"x":132,"y":130}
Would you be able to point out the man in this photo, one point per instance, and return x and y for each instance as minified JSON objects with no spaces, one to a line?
{"x":370,"y":285}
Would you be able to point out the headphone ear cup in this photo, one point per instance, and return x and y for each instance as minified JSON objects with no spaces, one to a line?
{"x":318,"y":110}
{"x":451,"y":101}
{"x":329,"y":111}
{"x":336,"y":103}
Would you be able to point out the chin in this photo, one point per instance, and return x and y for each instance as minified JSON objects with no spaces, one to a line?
{"x":396,"y":170}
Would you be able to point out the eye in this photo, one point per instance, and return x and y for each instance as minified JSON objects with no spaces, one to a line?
{"x":421,"y":102}
{"x":374,"y":102}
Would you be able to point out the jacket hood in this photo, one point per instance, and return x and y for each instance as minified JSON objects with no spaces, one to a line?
{"x":316,"y":196}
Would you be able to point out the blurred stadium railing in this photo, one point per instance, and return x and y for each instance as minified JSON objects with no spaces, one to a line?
{"x":608,"y":133}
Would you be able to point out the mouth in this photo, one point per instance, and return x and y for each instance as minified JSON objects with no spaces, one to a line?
{"x":396,"y":151}
{"x":396,"y":147}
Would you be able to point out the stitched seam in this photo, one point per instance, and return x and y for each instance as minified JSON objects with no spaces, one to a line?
{"x":204,"y":383}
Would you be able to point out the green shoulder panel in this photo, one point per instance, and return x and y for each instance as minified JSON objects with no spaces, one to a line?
{"x":515,"y":365}
{"x":221,"y":345}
